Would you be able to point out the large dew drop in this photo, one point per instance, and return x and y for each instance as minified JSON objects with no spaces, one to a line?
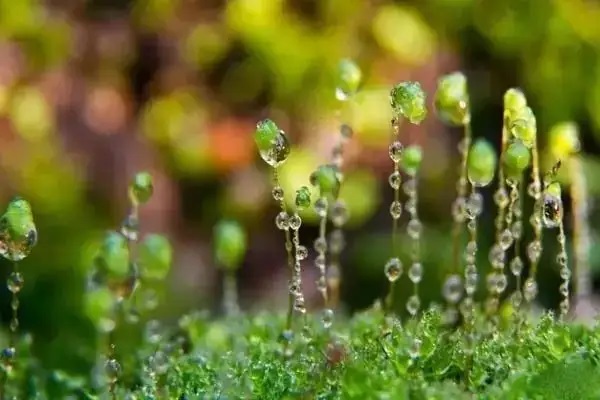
{"x":18,"y":234}
{"x":552,"y":211}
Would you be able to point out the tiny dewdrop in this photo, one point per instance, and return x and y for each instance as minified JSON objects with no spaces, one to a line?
{"x":230,"y":243}
{"x":18,"y":236}
{"x":302,"y":202}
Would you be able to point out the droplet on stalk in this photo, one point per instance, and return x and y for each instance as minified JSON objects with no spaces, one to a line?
{"x":272,"y":143}
{"x":348,"y":79}
{"x":18,"y":234}
{"x":141,"y":188}
{"x":452,"y":99}
{"x":408,"y":100}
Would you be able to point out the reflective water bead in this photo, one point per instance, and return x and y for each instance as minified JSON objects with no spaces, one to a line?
{"x":18,"y":234}
{"x":327,"y":318}
{"x":516,"y":266}
{"x":410,"y":187}
{"x":506,"y":239}
{"x":282,"y":220}
{"x":320,"y":262}
{"x":458,"y":209}
{"x":564,"y":289}
{"x":565,"y":273}
{"x":552,"y":210}
{"x":516,"y":159}
{"x":470,"y":252}
{"x":453,"y":289}
{"x":277,"y":193}
{"x":516,"y":299}
{"x":534,"y":251}
{"x":153,"y":331}
{"x":395,"y":179}
{"x":301,"y":252}
{"x":474,"y":205}
{"x":321,"y":207}
{"x":415,"y":348}
{"x":295,"y":222}
{"x":501,"y":283}
{"x":496,"y":256}
{"x":564,"y":306}
{"x":396,"y":209}
{"x":516,"y":230}
{"x":130,"y":228}
{"x":336,"y":241}
{"x":414,"y":228}
{"x":339,"y":213}
{"x":411,"y":206}
{"x":155,"y":256}
{"x":533,"y":189}
{"x":346,"y":131}
{"x":413,"y":304}
{"x":523,"y":126}
{"x":320,"y":245}
{"x":530,"y":289}
{"x":393,"y":269}
{"x":347,"y":80}
{"x":141,"y":188}
{"x":408,"y":100}
{"x":561,"y":258}
{"x":272,"y":143}
{"x":15,"y":282}
{"x":112,"y":369}
{"x":299,"y":305}
{"x":415,"y":272}
{"x":395,"y":151}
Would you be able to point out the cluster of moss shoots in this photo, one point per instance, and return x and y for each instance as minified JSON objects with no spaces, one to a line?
{"x":123,"y":281}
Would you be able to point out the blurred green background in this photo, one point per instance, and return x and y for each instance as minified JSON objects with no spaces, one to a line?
{"x":93,"y":91}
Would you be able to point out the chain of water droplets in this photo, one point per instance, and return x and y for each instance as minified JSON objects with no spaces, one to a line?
{"x":393,"y":268}
{"x":300,"y":253}
{"x":339,"y":217}
{"x":282,"y":222}
{"x":516,"y":264}
{"x":14,"y":284}
{"x":565,"y":272}
{"x":413,"y":229}
{"x":473,"y":208}
{"x":534,"y":248}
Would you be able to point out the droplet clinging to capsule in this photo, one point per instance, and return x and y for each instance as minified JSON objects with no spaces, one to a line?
{"x":552,"y":211}
{"x":408,"y":100}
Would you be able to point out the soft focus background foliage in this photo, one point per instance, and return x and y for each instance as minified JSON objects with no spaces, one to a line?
{"x":92,"y":91}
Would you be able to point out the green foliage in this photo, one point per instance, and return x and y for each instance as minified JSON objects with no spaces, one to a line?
{"x":229,"y":244}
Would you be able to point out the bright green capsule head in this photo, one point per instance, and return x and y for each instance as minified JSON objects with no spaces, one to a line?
{"x":348,"y":79}
{"x":18,"y":234}
{"x":155,"y":257}
{"x":411,"y":159}
{"x":229,"y":244}
{"x":272,"y":143}
{"x":452,"y":99}
{"x":514,"y":100}
{"x":303,"y":198}
{"x":113,"y":258}
{"x":553,"y":189}
{"x":99,"y":303}
{"x":408,"y":100}
{"x":141,"y":188}
{"x":326,"y":178}
{"x":523,"y":126}
{"x":516,"y":159}
{"x":564,"y":140}
{"x":481,"y":163}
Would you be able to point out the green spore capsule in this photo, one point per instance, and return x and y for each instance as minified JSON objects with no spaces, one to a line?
{"x":514,"y":100}
{"x":564,"y":140}
{"x":141,"y":188}
{"x":452,"y":99}
{"x":481,"y":163}
{"x":411,"y":159}
{"x":516,"y":159}
{"x":408,"y":100}
{"x":113,"y":258}
{"x":326,"y":178}
{"x":229,"y":244}
{"x":272,"y":143}
{"x":523,"y":126}
{"x":303,"y":198}
{"x":18,"y":234}
{"x":348,"y":79}
{"x":99,"y":303}
{"x":552,"y":212}
{"x":155,"y":256}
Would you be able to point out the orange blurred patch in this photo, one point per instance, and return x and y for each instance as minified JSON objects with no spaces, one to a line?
{"x":231,"y":144}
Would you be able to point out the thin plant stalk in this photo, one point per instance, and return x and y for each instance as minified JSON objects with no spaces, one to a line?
{"x":459,"y":203}
{"x":230,"y":294}
{"x":534,"y":248}
{"x":565,"y":272}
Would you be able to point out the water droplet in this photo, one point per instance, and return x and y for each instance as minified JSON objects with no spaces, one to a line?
{"x":501,"y":283}
{"x":506,"y":239}
{"x":346,"y":131}
{"x":327,"y":318}
{"x":15,"y":282}
{"x":396,"y":209}
{"x":534,"y":251}
{"x":413,"y":304}
{"x":130,"y":228}
{"x":474,"y":205}
{"x":301,"y":252}
{"x":516,"y":299}
{"x":320,"y":262}
{"x":564,"y":289}
{"x":466,"y":307}
{"x":450,"y":316}
{"x":393,"y":269}
{"x":149,"y":299}
{"x":278,"y":151}
{"x":410,"y":187}
{"x":552,"y":211}
{"x":339,"y":213}
{"x":415,"y":348}
{"x":414,"y":228}
{"x":295,"y":222}
{"x":415,"y":272}
{"x":501,"y":198}
{"x":320,"y":245}
{"x":565,"y":273}
{"x":322,"y":284}
{"x":561,"y":258}
{"x":533,"y":190}
{"x":530,"y":289}
{"x":282,"y":221}
{"x":159,"y":362}
{"x":8,"y":355}
{"x":564,"y":306}
{"x":458,"y":210}
{"x":395,"y":151}
{"x":112,"y":369}
{"x":496,"y":256}
{"x":516,"y":266}
{"x":153,"y":331}
{"x":453,"y":289}
{"x":321,"y":207}
{"x":395,"y":179}
{"x":277,"y":193}
{"x":517,"y":230}
{"x":336,"y":241}
{"x":471,"y":283}
{"x":471,"y":252}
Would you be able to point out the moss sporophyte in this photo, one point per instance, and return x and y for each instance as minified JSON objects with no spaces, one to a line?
{"x":481,"y":343}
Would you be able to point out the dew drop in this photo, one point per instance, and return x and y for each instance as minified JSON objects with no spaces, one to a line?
{"x":415,"y":272}
{"x":516,"y":266}
{"x":277,"y":193}
{"x":321,"y":207}
{"x":496,"y":256}
{"x":413,"y":304}
{"x":282,"y":221}
{"x":336,"y":241}
{"x":320,"y":262}
{"x":393,"y":269}
{"x":453,"y":289}
{"x":530,"y":289}
{"x":565,"y":273}
{"x":320,"y":245}
{"x":339,"y":213}
{"x":395,"y":179}
{"x":414,"y":349}
{"x":516,"y":299}
{"x":277,"y":153}
{"x":501,"y":198}
{"x":516,"y":230}
{"x":130,"y":228}
{"x":396,"y":209}
{"x":506,"y":239}
{"x":301,"y":252}
{"x":534,"y":251}
{"x":295,"y":222}
{"x":414,"y":228}
{"x":552,"y":211}
{"x":327,"y":318}
{"x":474,"y":205}
{"x":15,"y":282}
{"x":153,"y":331}
{"x":561,"y":258}
{"x":458,"y":210}
{"x":395,"y":151}
{"x":113,"y":370}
